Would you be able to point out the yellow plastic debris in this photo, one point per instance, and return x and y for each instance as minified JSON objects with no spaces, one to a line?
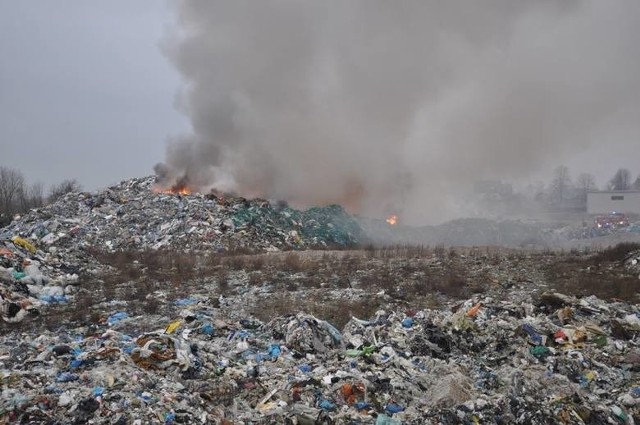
{"x":24,"y":243}
{"x":171,"y":328}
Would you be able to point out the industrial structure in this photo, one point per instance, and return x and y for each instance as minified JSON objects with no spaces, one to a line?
{"x":623,"y":201}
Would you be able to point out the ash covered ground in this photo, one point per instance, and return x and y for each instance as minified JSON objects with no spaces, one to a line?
{"x":128,"y":307}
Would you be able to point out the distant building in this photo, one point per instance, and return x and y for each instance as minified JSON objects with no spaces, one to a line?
{"x":624,"y":201}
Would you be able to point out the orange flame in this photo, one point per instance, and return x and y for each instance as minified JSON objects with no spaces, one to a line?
{"x":172,"y":190}
{"x":393,"y":220}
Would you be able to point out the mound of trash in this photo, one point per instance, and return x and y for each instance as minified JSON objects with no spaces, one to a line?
{"x":513,"y":352}
{"x":43,"y":253}
{"x":559,"y":360}
{"x":131,"y":216}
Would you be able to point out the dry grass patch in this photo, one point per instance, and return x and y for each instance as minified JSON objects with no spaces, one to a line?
{"x":601,"y":274}
{"x":616,"y":253}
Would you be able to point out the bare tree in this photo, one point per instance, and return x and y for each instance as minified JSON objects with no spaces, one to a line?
{"x":61,"y":189}
{"x":33,"y":197}
{"x":11,"y":187}
{"x":561,"y":183}
{"x":15,"y":196}
{"x":586,"y":182}
{"x":621,"y":180}
{"x":636,"y":184}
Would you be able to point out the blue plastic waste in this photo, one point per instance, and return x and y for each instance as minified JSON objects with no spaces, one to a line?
{"x":186,"y":301}
{"x":75,"y":363}
{"x":146,"y":396}
{"x":169,"y":418}
{"x":393,"y":408}
{"x":536,"y":338}
{"x":208,"y":329}
{"x":53,"y":389}
{"x":274,"y":350}
{"x":116,"y":317}
{"x":98,"y":391}
{"x":327,"y":405}
{"x":53,"y":299}
{"x":362,"y":405}
{"x":407,"y":323}
{"x":306,"y":368}
{"x":66,"y":377}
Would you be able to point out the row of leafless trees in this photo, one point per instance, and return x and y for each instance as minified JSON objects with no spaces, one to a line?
{"x":17,"y":196}
{"x":562,"y":186}
{"x":622,"y":181}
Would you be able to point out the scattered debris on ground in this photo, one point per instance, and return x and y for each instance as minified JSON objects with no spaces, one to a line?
{"x":112,"y":313}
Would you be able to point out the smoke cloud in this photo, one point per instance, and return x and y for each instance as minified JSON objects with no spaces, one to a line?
{"x":396,"y":106}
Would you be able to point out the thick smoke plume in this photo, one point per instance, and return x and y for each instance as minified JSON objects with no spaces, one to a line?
{"x":388,"y":106}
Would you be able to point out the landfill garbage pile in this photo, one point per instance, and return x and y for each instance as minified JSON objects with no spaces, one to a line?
{"x":556,"y":359}
{"x":131,"y":216}
{"x":30,"y":278}
{"x":509,"y":351}
{"x":515,"y":352}
{"x":463,"y":232}
{"x":43,"y":253}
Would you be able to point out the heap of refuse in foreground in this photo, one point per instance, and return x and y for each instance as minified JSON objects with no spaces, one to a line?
{"x":558,"y":360}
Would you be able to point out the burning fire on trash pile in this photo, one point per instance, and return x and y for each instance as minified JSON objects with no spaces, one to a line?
{"x":181,"y":187}
{"x":172,"y":190}
{"x":392,"y":220}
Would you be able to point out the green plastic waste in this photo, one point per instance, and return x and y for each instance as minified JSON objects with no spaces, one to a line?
{"x":18,"y":275}
{"x":366,"y":351}
{"x":600,"y":340}
{"x":539,"y":352}
{"x":330,"y":225}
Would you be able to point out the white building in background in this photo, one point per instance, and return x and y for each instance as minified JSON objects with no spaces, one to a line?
{"x":605,"y":202}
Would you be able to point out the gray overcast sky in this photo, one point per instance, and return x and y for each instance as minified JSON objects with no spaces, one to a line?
{"x":85,"y":91}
